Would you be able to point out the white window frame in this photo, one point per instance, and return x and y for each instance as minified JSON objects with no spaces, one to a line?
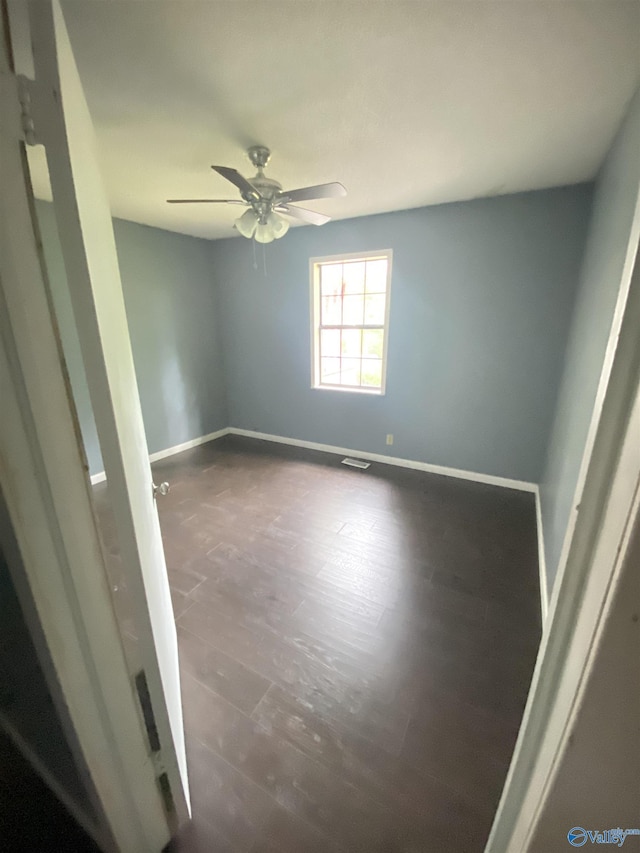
{"x":314,"y":277}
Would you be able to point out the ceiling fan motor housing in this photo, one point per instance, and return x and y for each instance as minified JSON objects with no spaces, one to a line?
{"x":267,"y":187}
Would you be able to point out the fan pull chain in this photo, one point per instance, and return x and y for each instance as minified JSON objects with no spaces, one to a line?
{"x":264,"y":260}
{"x":255,"y":262}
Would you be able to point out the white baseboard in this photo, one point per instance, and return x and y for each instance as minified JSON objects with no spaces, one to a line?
{"x":187,"y":445}
{"x":542,"y":563}
{"x":170,"y":451}
{"x":459,"y":473}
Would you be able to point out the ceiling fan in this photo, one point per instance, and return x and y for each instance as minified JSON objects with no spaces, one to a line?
{"x":266,"y":200}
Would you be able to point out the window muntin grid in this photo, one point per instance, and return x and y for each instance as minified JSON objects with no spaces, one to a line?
{"x":351,"y":308}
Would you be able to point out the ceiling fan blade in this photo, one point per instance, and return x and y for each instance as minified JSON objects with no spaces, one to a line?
{"x":303,"y":215}
{"x":333,"y":190}
{"x":204,"y":201}
{"x":236,"y":178}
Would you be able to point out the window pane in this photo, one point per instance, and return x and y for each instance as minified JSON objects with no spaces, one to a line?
{"x":374,"y":310}
{"x":352,"y":343}
{"x":372,"y":372}
{"x":330,"y":342}
{"x":372,"y":340}
{"x":353,"y":277}
{"x":350,"y":295}
{"x":331,"y":279}
{"x":376,"y":276}
{"x":353,"y":309}
{"x":350,"y":374}
{"x":331,"y":314}
{"x":330,"y":370}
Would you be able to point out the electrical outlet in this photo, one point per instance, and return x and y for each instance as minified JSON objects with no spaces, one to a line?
{"x":389,"y":438}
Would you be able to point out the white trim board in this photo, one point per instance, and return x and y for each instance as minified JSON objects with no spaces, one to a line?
{"x":187,"y":445}
{"x":459,"y":473}
{"x":542,"y":563}
{"x":170,"y":451}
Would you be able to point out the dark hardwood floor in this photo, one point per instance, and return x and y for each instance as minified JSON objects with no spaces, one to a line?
{"x":356,"y":648}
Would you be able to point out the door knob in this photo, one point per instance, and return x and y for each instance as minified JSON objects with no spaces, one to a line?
{"x":162,"y":489}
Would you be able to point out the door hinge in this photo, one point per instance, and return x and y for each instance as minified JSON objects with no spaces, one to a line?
{"x":167,"y":796}
{"x":168,"y":801}
{"x":25,"y":97}
{"x":164,"y":786}
{"x":144,"y":697}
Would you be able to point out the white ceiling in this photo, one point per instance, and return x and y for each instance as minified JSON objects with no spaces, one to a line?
{"x":406,"y":103}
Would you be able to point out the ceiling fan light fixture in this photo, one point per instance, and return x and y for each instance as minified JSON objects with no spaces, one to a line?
{"x":247,"y":223}
{"x":279,"y":225}
{"x":264,"y":233}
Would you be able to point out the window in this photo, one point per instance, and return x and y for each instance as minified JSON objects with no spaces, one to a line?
{"x":350,"y":315}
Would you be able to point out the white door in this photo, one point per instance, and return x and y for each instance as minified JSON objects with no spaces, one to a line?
{"x":63,"y":125}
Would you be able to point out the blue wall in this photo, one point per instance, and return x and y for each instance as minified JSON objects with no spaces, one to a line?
{"x":606,"y":263}
{"x":173,"y":322}
{"x":481,"y":300}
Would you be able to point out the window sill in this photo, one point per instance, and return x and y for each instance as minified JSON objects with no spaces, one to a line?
{"x":375,"y":392}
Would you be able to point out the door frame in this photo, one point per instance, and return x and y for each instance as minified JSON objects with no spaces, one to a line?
{"x":584,"y":593}
{"x":46,"y":488}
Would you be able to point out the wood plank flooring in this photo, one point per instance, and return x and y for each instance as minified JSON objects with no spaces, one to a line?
{"x":356,"y":648}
